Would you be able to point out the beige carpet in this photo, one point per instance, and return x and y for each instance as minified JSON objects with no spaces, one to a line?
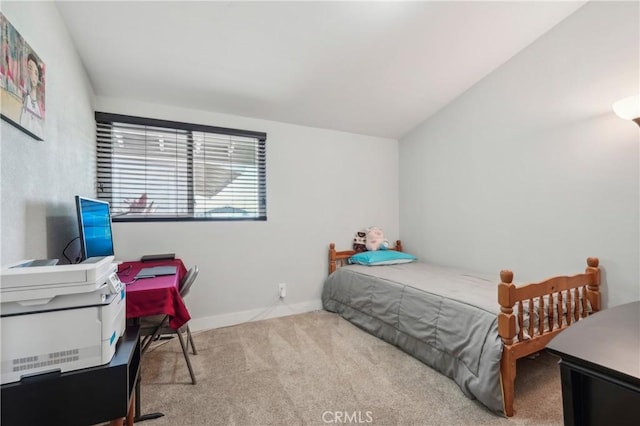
{"x":317,"y":369}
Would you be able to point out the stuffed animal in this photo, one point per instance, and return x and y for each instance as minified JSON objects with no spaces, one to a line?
{"x":375,"y":239}
{"x":359,"y":241}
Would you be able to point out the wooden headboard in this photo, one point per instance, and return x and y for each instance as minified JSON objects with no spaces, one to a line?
{"x":339,"y":258}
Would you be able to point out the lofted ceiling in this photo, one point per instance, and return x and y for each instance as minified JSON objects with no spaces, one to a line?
{"x":374,"y":68}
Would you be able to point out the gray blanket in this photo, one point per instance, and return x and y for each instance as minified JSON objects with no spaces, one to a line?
{"x":446,"y":318}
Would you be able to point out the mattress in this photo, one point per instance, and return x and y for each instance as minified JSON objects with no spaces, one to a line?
{"x":446,"y":318}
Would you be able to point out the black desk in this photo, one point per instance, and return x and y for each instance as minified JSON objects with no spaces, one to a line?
{"x":80,"y":397}
{"x":600,"y":368}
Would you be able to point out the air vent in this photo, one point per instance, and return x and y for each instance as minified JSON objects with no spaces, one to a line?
{"x":54,"y":358}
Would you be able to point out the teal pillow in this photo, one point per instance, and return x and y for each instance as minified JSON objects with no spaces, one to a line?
{"x":381,"y":257}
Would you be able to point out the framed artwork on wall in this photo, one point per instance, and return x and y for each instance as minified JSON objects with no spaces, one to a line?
{"x":22,"y":83}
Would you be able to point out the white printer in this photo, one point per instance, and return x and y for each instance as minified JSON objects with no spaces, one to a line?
{"x":61,"y":317}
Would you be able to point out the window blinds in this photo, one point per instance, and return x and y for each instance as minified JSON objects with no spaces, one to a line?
{"x":163,"y":170}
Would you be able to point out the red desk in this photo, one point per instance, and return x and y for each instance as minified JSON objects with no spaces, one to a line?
{"x":157,"y":295}
{"x":153,"y":296}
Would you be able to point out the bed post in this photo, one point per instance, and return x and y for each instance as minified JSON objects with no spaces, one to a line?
{"x":507,"y":331}
{"x":593,"y":289}
{"x":332,"y":258}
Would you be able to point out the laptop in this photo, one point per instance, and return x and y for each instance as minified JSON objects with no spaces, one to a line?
{"x":156,"y":271}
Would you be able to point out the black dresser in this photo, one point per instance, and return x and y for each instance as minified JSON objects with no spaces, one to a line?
{"x":600,"y":368}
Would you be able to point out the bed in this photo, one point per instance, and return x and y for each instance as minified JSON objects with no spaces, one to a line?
{"x":459,"y":322}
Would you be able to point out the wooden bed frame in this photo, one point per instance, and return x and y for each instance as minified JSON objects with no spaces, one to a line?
{"x":581,"y":288}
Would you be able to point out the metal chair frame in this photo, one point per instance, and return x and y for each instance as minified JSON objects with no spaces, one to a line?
{"x":153,"y":332}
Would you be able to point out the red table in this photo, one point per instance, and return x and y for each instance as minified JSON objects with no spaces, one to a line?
{"x":156,"y":295}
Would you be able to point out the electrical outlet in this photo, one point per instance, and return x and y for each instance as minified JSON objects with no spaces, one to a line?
{"x":282,"y":290}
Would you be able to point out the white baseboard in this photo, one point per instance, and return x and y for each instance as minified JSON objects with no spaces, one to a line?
{"x":278,"y":309}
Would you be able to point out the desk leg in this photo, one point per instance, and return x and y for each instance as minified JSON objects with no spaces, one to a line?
{"x":137,"y":397}
{"x":130,"y":416}
{"x":138,"y":417}
{"x":128,"y":421}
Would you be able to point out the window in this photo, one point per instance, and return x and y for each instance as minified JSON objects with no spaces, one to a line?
{"x":155,"y":170}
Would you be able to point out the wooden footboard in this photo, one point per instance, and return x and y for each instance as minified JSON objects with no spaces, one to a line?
{"x":542,"y":310}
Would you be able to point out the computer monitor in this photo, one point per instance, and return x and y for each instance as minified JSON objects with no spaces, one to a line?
{"x":94,"y":223}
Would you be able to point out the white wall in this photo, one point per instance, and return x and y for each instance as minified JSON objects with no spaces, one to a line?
{"x":241,"y":263}
{"x":530,"y":170}
{"x":39,"y":179}
{"x":322,"y":186}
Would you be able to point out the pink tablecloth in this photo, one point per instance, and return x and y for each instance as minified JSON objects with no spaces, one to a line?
{"x":157,"y":295}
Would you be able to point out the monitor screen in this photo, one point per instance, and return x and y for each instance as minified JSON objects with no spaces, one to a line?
{"x":94,"y":222}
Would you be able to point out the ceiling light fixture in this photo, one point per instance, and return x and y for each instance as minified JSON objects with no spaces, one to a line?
{"x":628,"y":108}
